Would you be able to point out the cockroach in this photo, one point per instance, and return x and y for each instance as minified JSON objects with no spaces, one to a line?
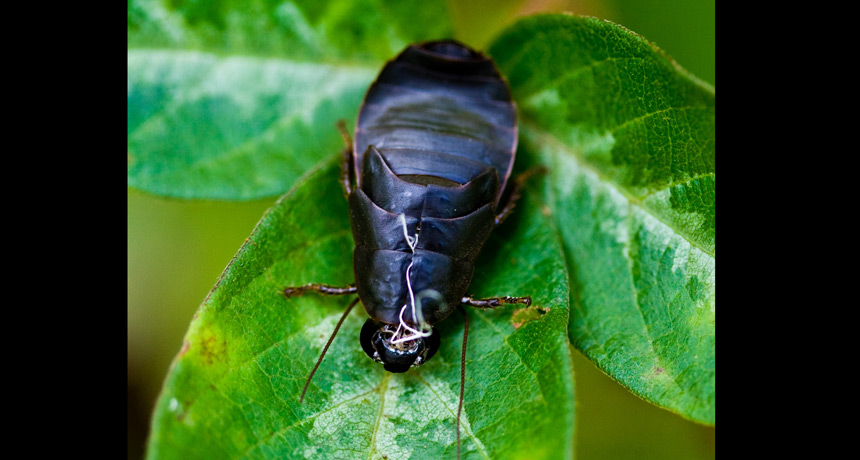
{"x":433,"y":150}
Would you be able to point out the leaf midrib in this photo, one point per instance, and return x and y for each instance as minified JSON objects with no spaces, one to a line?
{"x":546,"y":136}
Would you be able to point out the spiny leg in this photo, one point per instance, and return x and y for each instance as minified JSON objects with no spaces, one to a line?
{"x":344,"y":133}
{"x":325,"y":349}
{"x":462,"y":374}
{"x":494,"y":302}
{"x":346,"y":166}
{"x":517,"y":191}
{"x":324,"y":289}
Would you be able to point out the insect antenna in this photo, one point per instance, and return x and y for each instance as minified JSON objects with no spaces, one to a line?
{"x":462,"y":374}
{"x":325,"y":349}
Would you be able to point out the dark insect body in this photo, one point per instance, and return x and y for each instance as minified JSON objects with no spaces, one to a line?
{"x":434,"y":146}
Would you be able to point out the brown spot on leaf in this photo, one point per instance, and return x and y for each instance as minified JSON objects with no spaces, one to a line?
{"x":180,"y":416}
{"x":185,"y":347}
{"x":212,"y":349}
{"x":524,"y":315}
{"x":546,"y":211}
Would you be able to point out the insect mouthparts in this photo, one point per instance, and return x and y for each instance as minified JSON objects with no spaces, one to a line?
{"x":376,"y":341}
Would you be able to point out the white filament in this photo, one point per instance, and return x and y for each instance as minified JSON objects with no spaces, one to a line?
{"x":426,"y":330}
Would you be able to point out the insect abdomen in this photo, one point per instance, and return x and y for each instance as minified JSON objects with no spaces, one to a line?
{"x":434,"y":145}
{"x":439,"y":109}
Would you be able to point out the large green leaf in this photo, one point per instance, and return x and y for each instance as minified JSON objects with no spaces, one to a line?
{"x":233,"y":392}
{"x":207,"y":126}
{"x":235,"y":102}
{"x":235,"y":99}
{"x":630,"y":139}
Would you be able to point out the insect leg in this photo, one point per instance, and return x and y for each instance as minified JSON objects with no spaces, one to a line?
{"x":494,"y":302}
{"x":346,"y":166}
{"x":325,"y":349}
{"x":462,"y":374}
{"x":324,"y":289}
{"x":517,"y":191}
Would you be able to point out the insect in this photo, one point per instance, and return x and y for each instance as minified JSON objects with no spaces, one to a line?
{"x":425,"y":175}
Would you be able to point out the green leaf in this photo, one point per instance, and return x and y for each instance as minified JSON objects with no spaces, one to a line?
{"x":204,"y":126}
{"x":233,"y":391}
{"x":629,"y":137}
{"x":235,"y":100}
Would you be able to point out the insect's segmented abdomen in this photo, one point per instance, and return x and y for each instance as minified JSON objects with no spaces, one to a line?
{"x":439,"y":109}
{"x":434,"y":146}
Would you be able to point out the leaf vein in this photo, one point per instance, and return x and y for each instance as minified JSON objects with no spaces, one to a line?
{"x":679,"y":182}
{"x":570,"y":73}
{"x":383,"y":388}
{"x":549,"y":138}
{"x":454,"y":414}
{"x":299,"y":422}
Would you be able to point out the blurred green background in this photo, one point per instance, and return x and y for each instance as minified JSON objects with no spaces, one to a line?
{"x":177,"y":250}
